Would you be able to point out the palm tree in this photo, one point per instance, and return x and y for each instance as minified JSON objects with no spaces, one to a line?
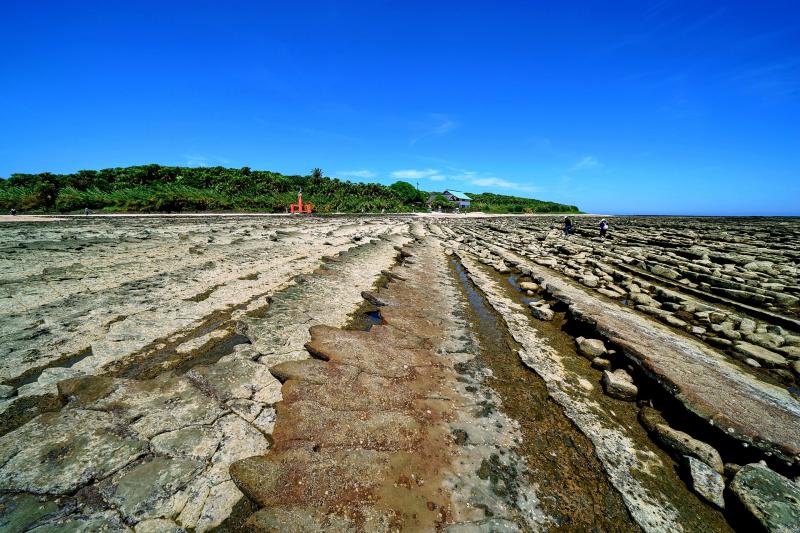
{"x":316,"y":173}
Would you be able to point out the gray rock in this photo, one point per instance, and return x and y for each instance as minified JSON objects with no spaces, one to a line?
{"x":78,"y":523}
{"x":145,"y":490}
{"x":542,"y":312}
{"x":747,"y":326}
{"x":773,"y":500}
{"x":78,"y":446}
{"x":650,"y":418}
{"x":705,"y":481}
{"x":158,"y":525}
{"x":590,"y":281}
{"x":684,"y":444}
{"x":641,"y":298}
{"x":664,"y":272}
{"x":237,"y":377}
{"x":591,"y":348}
{"x":601,"y":363}
{"x":752,"y":362}
{"x":20,"y":511}
{"x":6,"y":391}
{"x":760,"y":266}
{"x":762,"y":355}
{"x":618,"y":384}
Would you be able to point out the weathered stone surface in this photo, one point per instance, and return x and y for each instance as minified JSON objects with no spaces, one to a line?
{"x":684,"y":444}
{"x":145,"y":490}
{"x":705,"y":481}
{"x":542,"y":311}
{"x":601,"y":363}
{"x":770,"y":498}
{"x":196,"y":442}
{"x":237,"y":377}
{"x":619,"y":385}
{"x":79,"y":523}
{"x":363,"y":433}
{"x":56,"y":453}
{"x":163,"y":404}
{"x":591,"y":348}
{"x":762,"y":355}
{"x":751,"y":410}
{"x":20,"y":511}
{"x":157,"y":525}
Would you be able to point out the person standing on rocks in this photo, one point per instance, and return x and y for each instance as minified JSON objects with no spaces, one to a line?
{"x":603,"y":228}
{"x":567,"y":226}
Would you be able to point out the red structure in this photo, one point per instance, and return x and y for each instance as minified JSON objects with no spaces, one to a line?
{"x":300,"y":207}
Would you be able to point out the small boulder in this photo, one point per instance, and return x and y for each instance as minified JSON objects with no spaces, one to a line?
{"x":590,"y":281}
{"x":684,"y":444}
{"x":542,"y":312}
{"x":766,"y":357}
{"x":601,"y":363}
{"x":665,"y":272}
{"x":591,"y":348}
{"x":501,"y":268}
{"x":773,"y":500}
{"x":705,"y":481}
{"x":619,"y":385}
{"x":641,"y":298}
{"x":528,"y":286}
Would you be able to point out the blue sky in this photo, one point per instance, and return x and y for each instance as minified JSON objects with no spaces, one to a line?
{"x":676,"y":107}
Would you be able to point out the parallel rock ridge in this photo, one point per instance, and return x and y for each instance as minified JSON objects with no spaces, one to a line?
{"x":365,"y":436}
{"x":145,"y":438}
{"x":724,"y":344}
{"x":391,"y":373}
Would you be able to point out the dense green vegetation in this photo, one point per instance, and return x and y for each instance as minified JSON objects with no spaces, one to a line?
{"x":500,"y":203}
{"x":150,"y":188}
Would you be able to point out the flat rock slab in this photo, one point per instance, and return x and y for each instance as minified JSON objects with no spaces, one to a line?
{"x":773,"y":500}
{"x":742,"y":406}
{"x":57,"y":453}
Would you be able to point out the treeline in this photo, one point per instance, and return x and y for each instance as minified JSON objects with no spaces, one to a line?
{"x":499,"y":203}
{"x":155,"y":188}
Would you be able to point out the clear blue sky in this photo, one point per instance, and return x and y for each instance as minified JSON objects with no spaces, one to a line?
{"x":619,"y":107}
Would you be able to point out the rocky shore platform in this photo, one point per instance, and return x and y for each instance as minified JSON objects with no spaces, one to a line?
{"x":399,"y":373}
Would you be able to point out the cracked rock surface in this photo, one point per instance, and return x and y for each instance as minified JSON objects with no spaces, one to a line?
{"x":399,"y":373}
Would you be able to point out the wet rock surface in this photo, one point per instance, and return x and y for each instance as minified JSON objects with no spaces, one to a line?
{"x":771,"y":499}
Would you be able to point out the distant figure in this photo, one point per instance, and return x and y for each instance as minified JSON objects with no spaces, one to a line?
{"x":603,"y":228}
{"x":86,"y":211}
{"x":567,"y":226}
{"x":13,"y":211}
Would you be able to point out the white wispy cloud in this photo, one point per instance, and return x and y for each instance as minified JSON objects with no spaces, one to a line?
{"x":503,"y":184}
{"x":363,"y":173}
{"x":586,"y":163}
{"x":461,"y":178}
{"x":439,"y":124}
{"x":414,"y":174}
